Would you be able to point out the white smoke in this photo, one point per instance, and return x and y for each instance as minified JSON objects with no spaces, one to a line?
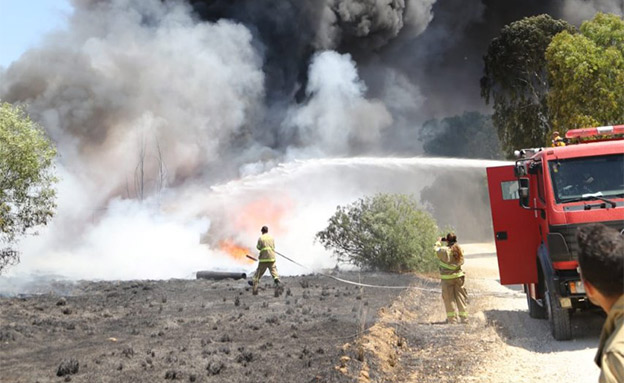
{"x":129,"y":240}
{"x":139,"y":98}
{"x":337,"y":116}
{"x":577,"y":11}
{"x":135,"y":81}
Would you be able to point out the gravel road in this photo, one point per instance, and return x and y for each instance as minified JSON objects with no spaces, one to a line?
{"x":500,"y":344}
{"x":526,"y":351}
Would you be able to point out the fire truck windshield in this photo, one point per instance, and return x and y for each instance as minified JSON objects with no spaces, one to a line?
{"x":584,"y":178}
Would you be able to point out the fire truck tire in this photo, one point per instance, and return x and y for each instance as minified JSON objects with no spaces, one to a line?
{"x":558,"y":317}
{"x":535,"y":310}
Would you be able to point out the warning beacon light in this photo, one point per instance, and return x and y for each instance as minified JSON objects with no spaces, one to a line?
{"x":595,"y":132}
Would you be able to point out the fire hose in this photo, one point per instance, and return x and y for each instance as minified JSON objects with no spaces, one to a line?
{"x":476,"y":293}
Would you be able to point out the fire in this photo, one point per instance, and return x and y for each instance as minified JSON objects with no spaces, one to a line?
{"x":264,"y":211}
{"x":244,"y":223}
{"x":235,"y":251}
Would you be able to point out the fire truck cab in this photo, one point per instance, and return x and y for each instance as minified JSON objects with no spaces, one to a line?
{"x":538,"y":203}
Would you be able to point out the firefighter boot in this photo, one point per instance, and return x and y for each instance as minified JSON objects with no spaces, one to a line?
{"x":254,"y":288}
{"x":279,"y":289}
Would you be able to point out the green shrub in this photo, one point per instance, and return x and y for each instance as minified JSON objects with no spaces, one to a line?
{"x":386,"y":232}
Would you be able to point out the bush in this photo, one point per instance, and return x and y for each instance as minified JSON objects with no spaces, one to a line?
{"x":387,"y":232}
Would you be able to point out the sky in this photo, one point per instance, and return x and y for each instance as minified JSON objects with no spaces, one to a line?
{"x":23,"y":23}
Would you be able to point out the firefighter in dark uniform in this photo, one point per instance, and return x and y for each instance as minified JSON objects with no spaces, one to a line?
{"x":451,"y":259}
{"x":266,"y":260}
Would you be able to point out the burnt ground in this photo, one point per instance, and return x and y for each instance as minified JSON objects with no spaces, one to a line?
{"x":193,"y":330}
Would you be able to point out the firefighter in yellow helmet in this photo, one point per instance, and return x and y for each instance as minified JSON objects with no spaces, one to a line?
{"x":451,"y":259}
{"x":557,"y":140}
{"x":266,"y":260}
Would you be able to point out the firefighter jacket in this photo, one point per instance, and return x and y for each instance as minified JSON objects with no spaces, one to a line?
{"x":449,"y":267}
{"x":266,"y":245}
{"x":610,"y":356}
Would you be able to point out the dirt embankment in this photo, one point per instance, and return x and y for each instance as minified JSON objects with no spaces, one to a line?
{"x":319,"y":330}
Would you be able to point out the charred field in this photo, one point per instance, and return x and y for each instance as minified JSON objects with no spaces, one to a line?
{"x":192,"y":330}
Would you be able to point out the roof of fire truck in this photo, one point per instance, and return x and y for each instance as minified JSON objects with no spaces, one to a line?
{"x":586,"y":142}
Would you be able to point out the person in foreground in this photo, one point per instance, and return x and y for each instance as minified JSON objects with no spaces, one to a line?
{"x":601,"y":261}
{"x":266,"y":260}
{"x":451,"y":259}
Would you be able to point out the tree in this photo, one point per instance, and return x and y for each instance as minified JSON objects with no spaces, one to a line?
{"x":387,"y":232}
{"x":516,"y":79}
{"x":470,"y":135}
{"x":27,"y":196}
{"x":587,"y":75}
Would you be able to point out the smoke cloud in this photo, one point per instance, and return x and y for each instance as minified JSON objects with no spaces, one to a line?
{"x":131,"y":78}
{"x":577,"y":11}
{"x":336,"y":116}
{"x":151,"y":103}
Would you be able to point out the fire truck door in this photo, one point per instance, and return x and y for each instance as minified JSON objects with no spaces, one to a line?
{"x":515,"y":229}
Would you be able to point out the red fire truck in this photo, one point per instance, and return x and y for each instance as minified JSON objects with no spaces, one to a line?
{"x":537,"y":205}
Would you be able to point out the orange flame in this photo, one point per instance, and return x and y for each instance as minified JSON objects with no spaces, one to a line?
{"x":264,"y":211}
{"x":238,"y":253}
{"x":247,"y":220}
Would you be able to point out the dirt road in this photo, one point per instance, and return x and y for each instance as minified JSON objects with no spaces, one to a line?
{"x":500,"y":344}
{"x":528,"y":353}
{"x":319,"y":330}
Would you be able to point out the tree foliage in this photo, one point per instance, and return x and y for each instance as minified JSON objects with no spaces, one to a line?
{"x":516,"y":79}
{"x":470,"y":135}
{"x":386,"y":232}
{"x":27,"y":196}
{"x":587,"y":75}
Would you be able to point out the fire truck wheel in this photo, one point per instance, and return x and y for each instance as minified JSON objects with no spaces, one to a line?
{"x":558,"y":317}
{"x":535,"y":310}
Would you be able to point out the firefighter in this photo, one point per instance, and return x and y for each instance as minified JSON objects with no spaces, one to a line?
{"x":266,"y":260}
{"x":451,"y":259}
{"x":557,"y":140}
{"x":601,"y":261}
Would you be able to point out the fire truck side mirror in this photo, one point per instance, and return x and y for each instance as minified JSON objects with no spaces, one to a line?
{"x":523,"y":192}
{"x":519,"y":169}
